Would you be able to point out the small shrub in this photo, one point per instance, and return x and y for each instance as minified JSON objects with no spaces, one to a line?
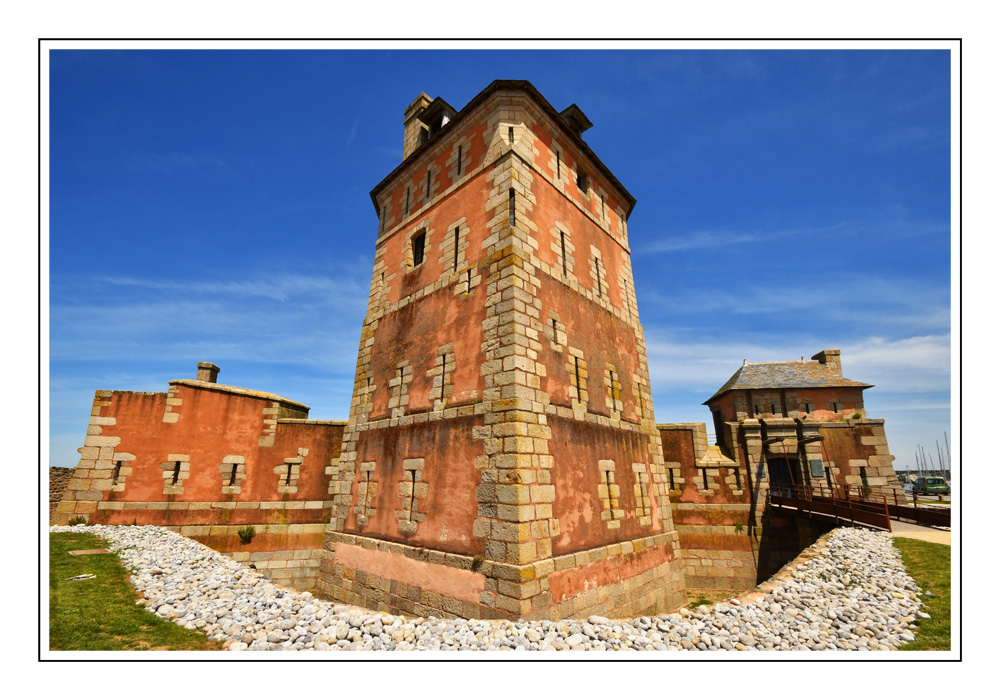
{"x":477,"y":561}
{"x":738,"y":527}
{"x":78,"y":520}
{"x":857,"y":415}
{"x":246,"y":533}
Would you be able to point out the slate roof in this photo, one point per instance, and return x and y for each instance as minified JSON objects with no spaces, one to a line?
{"x":801,"y":374}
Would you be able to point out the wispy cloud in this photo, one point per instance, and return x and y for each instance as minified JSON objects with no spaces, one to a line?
{"x":908,"y":365}
{"x":910,"y":137}
{"x":172,"y":162}
{"x":891,"y":226}
{"x":354,"y":131}
{"x":903,"y":304}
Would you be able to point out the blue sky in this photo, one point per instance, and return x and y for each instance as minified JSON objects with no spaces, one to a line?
{"x":213,"y":205}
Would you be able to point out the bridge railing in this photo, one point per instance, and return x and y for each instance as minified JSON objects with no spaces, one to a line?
{"x":842,"y":504}
{"x":856,"y":502}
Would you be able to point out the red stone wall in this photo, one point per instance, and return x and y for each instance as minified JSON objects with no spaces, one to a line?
{"x":206,"y":425}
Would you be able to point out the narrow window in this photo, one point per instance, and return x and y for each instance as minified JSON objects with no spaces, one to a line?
{"x":602,"y":206}
{"x":459,"y":159}
{"x":555,"y":333}
{"x":704,"y":477}
{"x":443,"y":365}
{"x":468,"y":281}
{"x":558,"y":165}
{"x":562,"y":245}
{"x":116,"y":474}
{"x":407,"y":209}
{"x":829,"y":479}
{"x":643,"y":508}
{"x":368,"y":491}
{"x":614,"y":391}
{"x":177,"y":472}
{"x":455,"y":263}
{"x":288,"y":476}
{"x":864,"y":477}
{"x":510,"y":135}
{"x":510,"y":205}
{"x":413,"y":483}
{"x":418,"y":248}
{"x":611,"y":499}
{"x":232,"y":475}
{"x":670,"y":474}
{"x":736,"y":473}
{"x":597,"y":266}
{"x":576,"y":366}
{"x":427,"y":189}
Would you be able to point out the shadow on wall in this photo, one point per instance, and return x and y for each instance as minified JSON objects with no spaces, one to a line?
{"x":784,"y":538}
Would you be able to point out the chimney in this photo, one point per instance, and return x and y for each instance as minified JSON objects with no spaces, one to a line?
{"x":830,"y":358}
{"x":207,"y":372}
{"x":414,"y":130}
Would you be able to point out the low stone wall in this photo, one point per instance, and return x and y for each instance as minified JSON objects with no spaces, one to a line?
{"x":298,"y":568}
{"x":58,"y":479}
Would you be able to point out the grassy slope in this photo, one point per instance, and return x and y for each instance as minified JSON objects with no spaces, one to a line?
{"x":930,"y":566}
{"x":100,"y":614}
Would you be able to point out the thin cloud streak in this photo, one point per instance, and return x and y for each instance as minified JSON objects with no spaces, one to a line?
{"x":883,"y":229}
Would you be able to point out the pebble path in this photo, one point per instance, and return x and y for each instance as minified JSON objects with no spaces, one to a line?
{"x":854,"y":594}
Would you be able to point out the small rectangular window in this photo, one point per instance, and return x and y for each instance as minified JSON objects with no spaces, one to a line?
{"x":583,"y":182}
{"x":562,"y":245}
{"x":418,"y":248}
{"x":558,"y":165}
{"x":427,"y":189}
{"x":460,"y":159}
{"x":510,"y":206}
{"x":510,"y":135}
{"x":407,"y":208}
{"x":455,"y":263}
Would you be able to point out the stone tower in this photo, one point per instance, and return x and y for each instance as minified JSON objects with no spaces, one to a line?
{"x":501,"y":457}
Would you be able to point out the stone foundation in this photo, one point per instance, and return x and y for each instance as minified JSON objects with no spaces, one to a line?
{"x":620,"y":580}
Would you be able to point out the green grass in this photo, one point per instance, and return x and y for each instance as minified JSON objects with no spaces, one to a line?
{"x":930,"y":566}
{"x":100,"y":614}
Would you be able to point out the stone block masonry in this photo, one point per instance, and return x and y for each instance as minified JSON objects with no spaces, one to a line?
{"x":135,"y":467}
{"x":480,"y":448}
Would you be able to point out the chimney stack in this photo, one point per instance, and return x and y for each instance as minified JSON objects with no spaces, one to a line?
{"x":414,"y":130}
{"x":207,"y":372}
{"x":830,"y":358}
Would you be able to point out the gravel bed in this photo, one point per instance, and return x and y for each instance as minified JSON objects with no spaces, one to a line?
{"x":855,"y":594}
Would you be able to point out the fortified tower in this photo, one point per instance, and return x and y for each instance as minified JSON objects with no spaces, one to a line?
{"x":501,"y":457}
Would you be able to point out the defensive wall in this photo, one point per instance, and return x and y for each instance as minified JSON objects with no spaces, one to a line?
{"x":209,"y":460}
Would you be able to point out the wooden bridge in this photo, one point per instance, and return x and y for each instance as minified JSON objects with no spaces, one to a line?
{"x":854,"y":505}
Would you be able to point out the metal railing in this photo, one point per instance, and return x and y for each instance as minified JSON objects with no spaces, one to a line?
{"x":842,"y":504}
{"x":875,"y":506}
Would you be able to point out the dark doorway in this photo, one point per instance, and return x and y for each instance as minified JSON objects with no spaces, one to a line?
{"x":783,"y":473}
